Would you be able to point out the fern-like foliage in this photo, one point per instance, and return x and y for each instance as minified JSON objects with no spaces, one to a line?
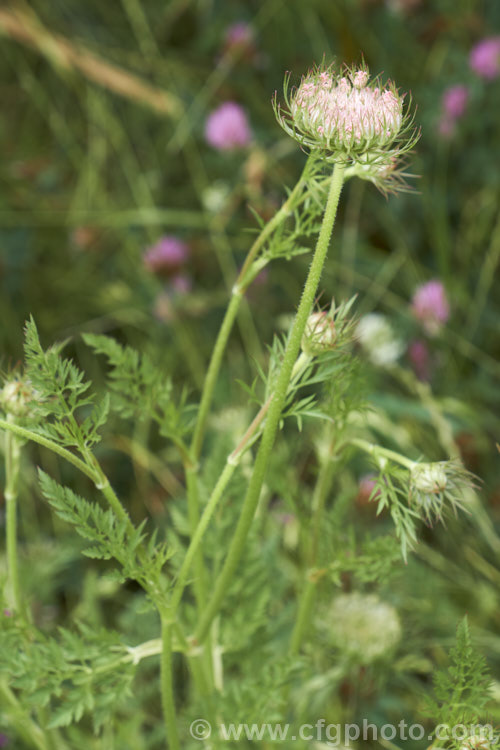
{"x":391,"y":493}
{"x":60,"y":393}
{"x":110,"y":537}
{"x":461,"y":691}
{"x":375,"y":560}
{"x":139,"y":388}
{"x":70,"y":676}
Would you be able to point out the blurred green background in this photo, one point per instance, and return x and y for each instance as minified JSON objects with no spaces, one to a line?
{"x":102,"y":126}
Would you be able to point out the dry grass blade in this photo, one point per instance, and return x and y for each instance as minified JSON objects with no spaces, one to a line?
{"x":64,"y":54}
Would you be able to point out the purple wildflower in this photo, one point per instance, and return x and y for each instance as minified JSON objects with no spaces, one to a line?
{"x":484,"y":58}
{"x":430,"y":306}
{"x":418,"y":354}
{"x":446,"y":126}
{"x":182,"y":283}
{"x":366,"y":487}
{"x":227,"y":127}
{"x":4,"y":740}
{"x":239,"y":36}
{"x":454,"y":101}
{"x":168,"y":254}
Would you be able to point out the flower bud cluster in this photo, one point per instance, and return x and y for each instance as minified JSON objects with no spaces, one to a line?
{"x":345,"y":117}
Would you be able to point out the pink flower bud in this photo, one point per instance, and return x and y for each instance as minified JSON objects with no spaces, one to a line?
{"x":341,"y":112}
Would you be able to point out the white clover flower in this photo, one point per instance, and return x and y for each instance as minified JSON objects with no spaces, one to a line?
{"x":378,"y":339}
{"x":343,"y":116}
{"x":215,"y":196}
{"x":364,"y":626}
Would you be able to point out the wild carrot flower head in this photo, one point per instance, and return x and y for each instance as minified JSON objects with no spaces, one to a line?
{"x":430,"y":306}
{"x":437,"y":486}
{"x":364,"y":626}
{"x":227,"y":127}
{"x":484,"y":58}
{"x":342,"y":115}
{"x":168,"y":254}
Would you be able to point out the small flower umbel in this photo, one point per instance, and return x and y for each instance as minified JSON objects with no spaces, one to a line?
{"x":340,"y":114}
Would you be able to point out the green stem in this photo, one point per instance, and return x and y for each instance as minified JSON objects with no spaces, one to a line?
{"x":194,"y":518}
{"x":167,"y":690}
{"x":212,"y":374}
{"x":216,"y":495}
{"x":232,"y":461}
{"x":91,"y":469}
{"x":275,"y":409}
{"x":21,"y":721}
{"x":308,"y":594}
{"x":47,"y":443}
{"x":211,"y":380}
{"x":306,"y":603}
{"x":230,"y":316}
{"x":12,"y":467}
{"x":378,"y":452}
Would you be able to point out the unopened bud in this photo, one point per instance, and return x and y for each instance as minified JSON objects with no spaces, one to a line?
{"x":320,"y":334}
{"x":15,"y":397}
{"x":476,"y":742}
{"x":430,"y":477}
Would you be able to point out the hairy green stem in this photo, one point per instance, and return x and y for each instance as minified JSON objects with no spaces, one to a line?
{"x":220,"y":486}
{"x":230,"y":316}
{"x":269,"y":434}
{"x":12,"y":467}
